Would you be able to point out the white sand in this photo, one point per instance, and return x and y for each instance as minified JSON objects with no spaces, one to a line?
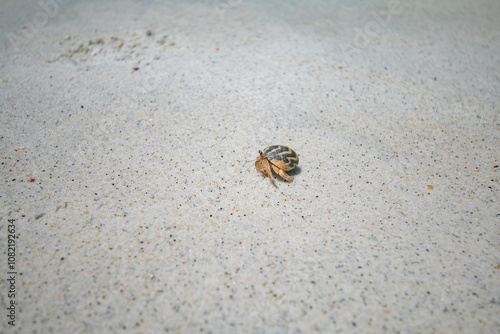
{"x":137,"y":205}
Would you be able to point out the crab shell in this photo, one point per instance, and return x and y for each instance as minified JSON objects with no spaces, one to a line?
{"x":277,"y":158}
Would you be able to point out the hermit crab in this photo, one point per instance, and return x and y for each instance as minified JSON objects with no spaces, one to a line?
{"x":277,"y":158}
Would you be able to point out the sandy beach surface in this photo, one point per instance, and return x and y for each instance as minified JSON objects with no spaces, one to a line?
{"x":130,"y":201}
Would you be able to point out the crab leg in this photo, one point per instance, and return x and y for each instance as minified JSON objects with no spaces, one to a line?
{"x":268,"y":170}
{"x":282,"y":174}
